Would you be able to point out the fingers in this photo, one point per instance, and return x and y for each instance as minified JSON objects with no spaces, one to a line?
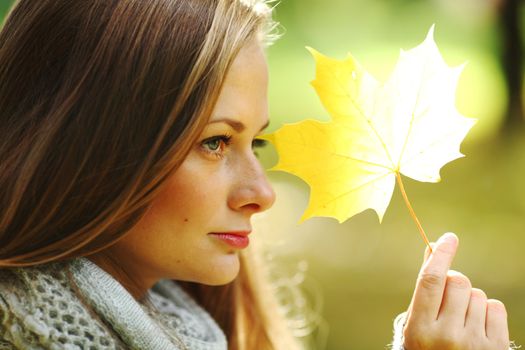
{"x":477,"y":311}
{"x":496,"y":324}
{"x":489,"y":318}
{"x":432,"y":278}
{"x":447,"y":313}
{"x":455,"y":299}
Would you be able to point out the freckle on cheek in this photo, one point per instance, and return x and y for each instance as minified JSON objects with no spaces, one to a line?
{"x":185,"y":219}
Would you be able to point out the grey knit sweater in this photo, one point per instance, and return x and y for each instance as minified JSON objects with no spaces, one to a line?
{"x":77,"y":305}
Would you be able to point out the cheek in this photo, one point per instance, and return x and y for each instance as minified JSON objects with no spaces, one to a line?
{"x":177,"y":201}
{"x":171,"y":240}
{"x":188,"y":197}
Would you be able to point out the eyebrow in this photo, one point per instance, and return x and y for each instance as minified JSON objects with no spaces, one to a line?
{"x":235,"y":124}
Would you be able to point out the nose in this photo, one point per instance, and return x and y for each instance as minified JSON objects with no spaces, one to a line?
{"x":252,"y":192}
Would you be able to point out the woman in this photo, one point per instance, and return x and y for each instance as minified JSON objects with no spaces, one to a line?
{"x":126,"y":146}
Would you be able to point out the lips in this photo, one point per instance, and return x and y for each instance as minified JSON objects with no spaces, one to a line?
{"x":235,"y":239}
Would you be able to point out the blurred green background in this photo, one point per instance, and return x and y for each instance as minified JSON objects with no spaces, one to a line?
{"x":361,"y":273}
{"x":357,"y":276}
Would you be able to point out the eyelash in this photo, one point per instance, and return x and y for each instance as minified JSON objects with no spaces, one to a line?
{"x":224,"y":141}
{"x":258,"y":144}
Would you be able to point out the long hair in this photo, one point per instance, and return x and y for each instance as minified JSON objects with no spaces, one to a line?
{"x":100,"y":102}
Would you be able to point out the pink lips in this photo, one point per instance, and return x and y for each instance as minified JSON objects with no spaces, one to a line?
{"x":237,"y":239}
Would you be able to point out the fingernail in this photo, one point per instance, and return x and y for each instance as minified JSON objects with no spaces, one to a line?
{"x":448,"y":237}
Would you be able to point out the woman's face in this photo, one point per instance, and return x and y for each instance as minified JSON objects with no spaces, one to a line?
{"x":196,"y":227}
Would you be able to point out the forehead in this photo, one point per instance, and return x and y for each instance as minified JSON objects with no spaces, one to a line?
{"x":249,"y":67}
{"x":244,"y":92}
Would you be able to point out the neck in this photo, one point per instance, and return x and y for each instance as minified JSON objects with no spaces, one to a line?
{"x":136,"y":287}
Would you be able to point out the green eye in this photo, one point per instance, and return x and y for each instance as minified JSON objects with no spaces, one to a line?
{"x":216,"y":145}
{"x":213,"y":144}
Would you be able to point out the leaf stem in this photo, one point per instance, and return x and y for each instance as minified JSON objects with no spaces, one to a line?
{"x":411,"y":210}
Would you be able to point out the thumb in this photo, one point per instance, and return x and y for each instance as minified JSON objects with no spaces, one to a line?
{"x":425,"y":258}
{"x":427,"y":251}
{"x":442,"y":263}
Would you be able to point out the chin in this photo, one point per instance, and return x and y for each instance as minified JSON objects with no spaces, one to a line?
{"x":223,"y":271}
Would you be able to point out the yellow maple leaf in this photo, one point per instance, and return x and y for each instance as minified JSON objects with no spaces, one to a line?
{"x":408,"y":125}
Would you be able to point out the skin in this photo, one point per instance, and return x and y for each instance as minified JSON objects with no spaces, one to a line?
{"x":221,"y":184}
{"x":218,"y":188}
{"x":446,"y":313}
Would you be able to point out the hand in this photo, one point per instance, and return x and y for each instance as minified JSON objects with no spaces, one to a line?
{"x":447,"y":313}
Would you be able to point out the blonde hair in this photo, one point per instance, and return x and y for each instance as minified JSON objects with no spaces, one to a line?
{"x":101,"y":101}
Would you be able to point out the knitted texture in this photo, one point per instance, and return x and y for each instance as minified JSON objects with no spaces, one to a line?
{"x":399,"y":325}
{"x":175,"y":312}
{"x":77,"y":305}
